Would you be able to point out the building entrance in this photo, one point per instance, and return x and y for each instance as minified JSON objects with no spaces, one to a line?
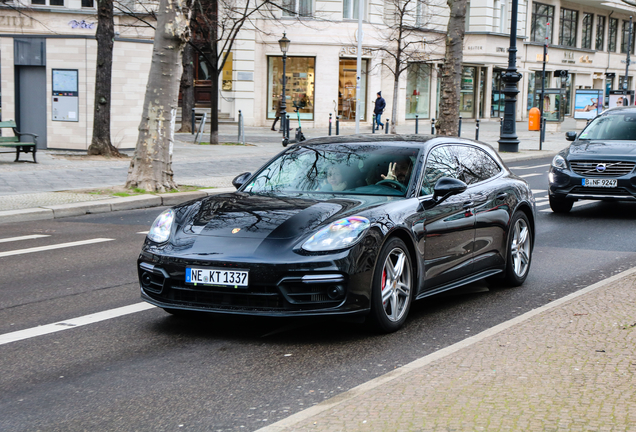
{"x":31,"y":101}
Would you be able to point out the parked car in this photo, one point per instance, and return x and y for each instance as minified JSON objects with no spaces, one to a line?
{"x":344,"y":226}
{"x":599,"y":164}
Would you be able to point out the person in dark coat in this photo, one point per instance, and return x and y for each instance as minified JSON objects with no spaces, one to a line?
{"x":380,"y":104}
{"x":279,"y":113}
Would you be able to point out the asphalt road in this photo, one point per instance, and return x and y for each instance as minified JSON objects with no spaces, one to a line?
{"x":151,"y":371}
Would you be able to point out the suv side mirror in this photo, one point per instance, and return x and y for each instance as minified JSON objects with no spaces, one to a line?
{"x":240,"y":179}
{"x":570,"y":136}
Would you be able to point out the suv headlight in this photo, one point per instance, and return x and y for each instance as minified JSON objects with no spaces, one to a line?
{"x":559,"y":162}
{"x":161,"y":227}
{"x":340,"y":234}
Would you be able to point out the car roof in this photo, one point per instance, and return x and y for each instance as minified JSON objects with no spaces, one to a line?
{"x":619,"y":110}
{"x":369,"y":138}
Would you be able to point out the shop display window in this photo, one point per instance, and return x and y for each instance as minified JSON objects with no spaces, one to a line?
{"x":467,"y":93}
{"x":347,"y":97}
{"x":418,"y":92}
{"x":300,"y":73}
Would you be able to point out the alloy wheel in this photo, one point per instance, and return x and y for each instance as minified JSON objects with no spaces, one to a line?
{"x":520,"y":248}
{"x":396,"y":284}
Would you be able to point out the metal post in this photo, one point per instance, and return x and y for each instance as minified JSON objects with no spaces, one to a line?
{"x":193,"y":121}
{"x":337,"y":125}
{"x":459,"y":130}
{"x":477,"y":129}
{"x":240,"y":126}
{"x":509,"y":140}
{"x":500,"y":125}
{"x":432,"y":126}
{"x":541,"y":119}
{"x":373,"y":124}
{"x":628,"y":61}
{"x":287,"y":126}
{"x":386,"y":127}
{"x":283,"y":105}
{"x":417,"y":121}
{"x":330,"y":114}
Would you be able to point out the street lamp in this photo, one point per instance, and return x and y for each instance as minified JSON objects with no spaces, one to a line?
{"x":284,"y":47}
{"x":508,"y":141}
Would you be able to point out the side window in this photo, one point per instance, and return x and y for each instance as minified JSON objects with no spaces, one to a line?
{"x":468,"y":164}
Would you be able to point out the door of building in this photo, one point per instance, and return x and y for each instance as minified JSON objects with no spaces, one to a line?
{"x":31,"y":102}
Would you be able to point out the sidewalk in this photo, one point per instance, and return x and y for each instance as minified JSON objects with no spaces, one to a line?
{"x":60,"y":176}
{"x":567,"y":366}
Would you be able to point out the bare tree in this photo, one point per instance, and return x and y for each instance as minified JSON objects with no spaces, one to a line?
{"x":101,"y":143}
{"x":450,"y":85}
{"x":404,"y":40}
{"x":151,"y":166}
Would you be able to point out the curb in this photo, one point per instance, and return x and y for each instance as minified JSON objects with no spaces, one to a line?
{"x":359,"y":391}
{"x":104,"y":206}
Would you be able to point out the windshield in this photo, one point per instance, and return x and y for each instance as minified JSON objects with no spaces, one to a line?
{"x":619,"y":126}
{"x":367,"y":169}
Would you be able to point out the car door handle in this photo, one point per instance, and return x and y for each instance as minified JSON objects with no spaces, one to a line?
{"x":502,"y":195}
{"x":468,"y":204}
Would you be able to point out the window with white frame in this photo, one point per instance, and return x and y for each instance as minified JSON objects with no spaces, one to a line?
{"x":503,"y":15}
{"x":297,"y":7}
{"x":351,"y":9}
{"x":586,"y":39}
{"x":47,"y":2}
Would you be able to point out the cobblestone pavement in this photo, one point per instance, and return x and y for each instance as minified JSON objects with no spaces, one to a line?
{"x":569,"y":367}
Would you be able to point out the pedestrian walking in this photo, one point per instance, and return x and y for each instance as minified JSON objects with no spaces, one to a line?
{"x":380,"y":104}
{"x":279,"y":113}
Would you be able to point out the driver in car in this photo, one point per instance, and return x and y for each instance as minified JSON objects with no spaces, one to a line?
{"x":400,"y":171}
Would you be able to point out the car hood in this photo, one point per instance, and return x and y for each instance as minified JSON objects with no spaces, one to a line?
{"x":242,"y":215}
{"x":625,"y":150}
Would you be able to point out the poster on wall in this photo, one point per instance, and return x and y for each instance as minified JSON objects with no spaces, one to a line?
{"x":618,"y":99}
{"x":587,"y":103}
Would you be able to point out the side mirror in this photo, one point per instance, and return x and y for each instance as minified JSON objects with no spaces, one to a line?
{"x":446,"y":187}
{"x":240,"y":179}
{"x":570,"y":136}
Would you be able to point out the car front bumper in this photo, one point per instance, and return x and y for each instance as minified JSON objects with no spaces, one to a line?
{"x":566,"y":184}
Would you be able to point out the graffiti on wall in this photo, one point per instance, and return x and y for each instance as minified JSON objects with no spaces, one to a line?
{"x":83,"y":24}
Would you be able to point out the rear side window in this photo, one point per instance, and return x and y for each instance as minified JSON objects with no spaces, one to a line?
{"x":466,"y":163}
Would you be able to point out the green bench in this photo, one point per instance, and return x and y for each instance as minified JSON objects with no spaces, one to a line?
{"x":14,"y":141}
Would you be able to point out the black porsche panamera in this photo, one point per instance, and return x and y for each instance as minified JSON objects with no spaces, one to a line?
{"x":599,"y":164}
{"x":344,"y":226}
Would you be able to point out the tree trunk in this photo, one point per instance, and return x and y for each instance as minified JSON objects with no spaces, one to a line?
{"x":187,"y":89}
{"x":214,"y":73}
{"x":450,"y":85}
{"x":100,"y":143}
{"x":396,"y":88}
{"x":151,"y":167}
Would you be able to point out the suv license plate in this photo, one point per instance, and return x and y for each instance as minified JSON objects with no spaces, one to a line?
{"x":607,"y":183}
{"x":211,"y":276}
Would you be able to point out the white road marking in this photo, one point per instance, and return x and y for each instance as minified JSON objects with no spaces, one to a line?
{"x":538,"y":191}
{"x":26,"y":237}
{"x":576,"y":204}
{"x":73,"y":322}
{"x":531,"y":175}
{"x":529,"y":167}
{"x":55,"y":246}
{"x":544,"y":203}
{"x":349,"y":395}
{"x":143,"y":232}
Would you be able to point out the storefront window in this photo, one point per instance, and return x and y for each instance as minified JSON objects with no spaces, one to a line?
{"x":534,"y":87}
{"x":497,"y":99}
{"x":300,"y":73}
{"x":347,"y":89}
{"x":467,"y":93}
{"x":418,"y":90}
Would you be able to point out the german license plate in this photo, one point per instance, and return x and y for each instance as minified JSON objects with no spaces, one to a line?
{"x":608,"y":183}
{"x":212,"y":276}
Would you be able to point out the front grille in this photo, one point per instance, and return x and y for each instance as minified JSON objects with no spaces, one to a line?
{"x":219,"y":298}
{"x":612,"y":168}
{"x":582,"y":190}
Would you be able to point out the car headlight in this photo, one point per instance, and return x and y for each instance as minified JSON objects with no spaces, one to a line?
{"x":161,"y":227}
{"x":340,"y":234}
{"x":559,"y":162}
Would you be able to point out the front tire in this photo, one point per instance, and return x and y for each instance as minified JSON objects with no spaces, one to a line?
{"x":519,"y":250}
{"x":392,"y":287}
{"x":560,"y":205}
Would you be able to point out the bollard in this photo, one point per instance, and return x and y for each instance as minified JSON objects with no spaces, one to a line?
{"x":417,"y":120}
{"x":500,"y":126}
{"x":193,"y":121}
{"x":386,"y":127}
{"x":330,"y":119}
{"x":241,"y":128}
{"x":432,"y":126}
{"x":287,"y":127}
{"x":373,"y":124}
{"x":459,"y":130}
{"x":477,"y":129}
{"x":337,"y":125}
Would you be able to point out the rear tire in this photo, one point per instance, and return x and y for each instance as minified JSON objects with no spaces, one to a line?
{"x":560,"y":205}
{"x":519,"y":250}
{"x":392,"y":287}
